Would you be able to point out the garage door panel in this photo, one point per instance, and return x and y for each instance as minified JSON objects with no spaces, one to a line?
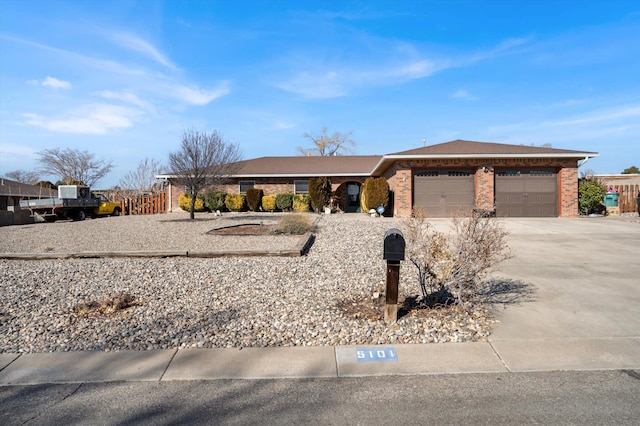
{"x":443,"y":192}
{"x":526,"y":193}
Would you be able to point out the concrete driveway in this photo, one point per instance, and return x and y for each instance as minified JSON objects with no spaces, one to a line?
{"x":575,"y":288}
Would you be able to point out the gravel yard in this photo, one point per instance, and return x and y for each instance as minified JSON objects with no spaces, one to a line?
{"x":322,"y":298}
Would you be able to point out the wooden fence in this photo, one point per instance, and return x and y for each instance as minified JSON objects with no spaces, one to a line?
{"x":627,"y":197}
{"x":142,"y":204}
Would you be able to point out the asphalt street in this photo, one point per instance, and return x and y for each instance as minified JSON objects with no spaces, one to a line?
{"x":577,"y":397}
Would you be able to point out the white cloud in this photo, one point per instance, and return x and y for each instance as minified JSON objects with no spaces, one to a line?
{"x":135,"y":43}
{"x":54,"y":83}
{"x":463,"y":94}
{"x":96,"y":119}
{"x":126,"y":97}
{"x":197,"y":96}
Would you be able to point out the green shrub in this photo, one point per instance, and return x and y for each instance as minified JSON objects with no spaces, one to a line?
{"x":185,"y":203}
{"x":269,"y":203}
{"x":284,"y":201}
{"x":375,"y":193}
{"x":590,"y":194}
{"x":301,"y":203}
{"x":295,"y":224}
{"x":254,"y":199}
{"x":235,"y":202}
{"x":319,"y":192}
{"x":214,"y":200}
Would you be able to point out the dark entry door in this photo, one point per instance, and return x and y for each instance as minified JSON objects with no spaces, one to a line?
{"x":526,"y":193}
{"x":443,"y":192}
{"x":353,"y":198}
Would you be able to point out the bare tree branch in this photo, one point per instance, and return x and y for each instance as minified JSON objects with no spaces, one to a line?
{"x":143,"y":178}
{"x":204,"y":159}
{"x":22,"y":176}
{"x":73,"y":166}
{"x":325,"y":145}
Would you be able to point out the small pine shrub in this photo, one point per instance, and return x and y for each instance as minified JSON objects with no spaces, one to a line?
{"x":301,"y":203}
{"x":284,"y":201}
{"x":214,"y":200}
{"x":269,"y":203}
{"x":185,"y":203}
{"x":375,"y":193}
{"x":254,"y":199}
{"x":320,"y":192}
{"x":235,"y":202}
{"x":296,"y":224}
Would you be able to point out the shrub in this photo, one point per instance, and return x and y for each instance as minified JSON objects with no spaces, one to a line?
{"x":319,"y":192}
{"x":235,"y":202}
{"x":254,"y":199}
{"x":450,"y":265}
{"x":214,"y":200}
{"x":269,"y":202}
{"x":301,"y":203}
{"x":185,"y":203}
{"x":296,"y":224}
{"x":375,"y":193}
{"x":284,"y":201}
{"x":591,"y":193}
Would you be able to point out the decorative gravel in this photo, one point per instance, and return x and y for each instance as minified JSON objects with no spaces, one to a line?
{"x":322,"y":298}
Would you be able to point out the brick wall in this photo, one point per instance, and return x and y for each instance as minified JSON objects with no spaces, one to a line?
{"x":400,"y":178}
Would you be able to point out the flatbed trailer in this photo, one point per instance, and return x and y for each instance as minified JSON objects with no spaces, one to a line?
{"x":73,"y":202}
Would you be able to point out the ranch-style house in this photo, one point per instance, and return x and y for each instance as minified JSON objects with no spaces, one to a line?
{"x":511,"y":180}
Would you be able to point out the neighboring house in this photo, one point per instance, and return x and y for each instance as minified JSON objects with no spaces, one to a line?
{"x":11,"y":192}
{"x":512,"y":180}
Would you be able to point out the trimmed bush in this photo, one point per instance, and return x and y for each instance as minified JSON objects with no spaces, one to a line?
{"x":590,"y":194}
{"x":254,"y":199}
{"x":284,"y":201}
{"x":185,"y":203}
{"x":319,"y":192}
{"x":295,"y":224}
{"x":375,"y":193}
{"x":301,"y":203}
{"x":214,"y":200}
{"x":235,"y":202}
{"x":269,"y":203}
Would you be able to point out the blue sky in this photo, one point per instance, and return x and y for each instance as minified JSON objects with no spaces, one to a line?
{"x":124,"y":79}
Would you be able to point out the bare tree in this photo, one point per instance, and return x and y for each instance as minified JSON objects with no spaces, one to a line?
{"x":451,"y":265}
{"x":30,"y":178}
{"x":143,"y":178}
{"x":325,"y":145}
{"x":72,"y":166}
{"x":204,"y":159}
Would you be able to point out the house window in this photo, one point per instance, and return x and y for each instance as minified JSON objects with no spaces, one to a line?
{"x":301,"y":187}
{"x":246,"y":184}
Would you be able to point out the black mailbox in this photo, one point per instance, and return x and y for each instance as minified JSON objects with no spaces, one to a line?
{"x":393,"y":245}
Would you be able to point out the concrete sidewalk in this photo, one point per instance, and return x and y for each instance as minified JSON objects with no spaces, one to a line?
{"x":327,"y":361}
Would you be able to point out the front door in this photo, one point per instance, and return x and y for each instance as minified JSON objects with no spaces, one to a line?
{"x":353,"y":198}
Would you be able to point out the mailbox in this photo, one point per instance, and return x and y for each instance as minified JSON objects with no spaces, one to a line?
{"x":393,"y":245}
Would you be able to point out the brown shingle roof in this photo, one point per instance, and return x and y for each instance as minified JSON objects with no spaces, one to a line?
{"x":347,"y":165}
{"x":462,"y":147}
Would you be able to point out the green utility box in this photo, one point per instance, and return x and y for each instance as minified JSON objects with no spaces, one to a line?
{"x":611,"y":199}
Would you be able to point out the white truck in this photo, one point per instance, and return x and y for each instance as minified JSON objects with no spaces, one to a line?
{"x":73,"y":202}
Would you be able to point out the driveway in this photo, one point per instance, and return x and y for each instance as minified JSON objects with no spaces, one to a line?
{"x":579,"y":282}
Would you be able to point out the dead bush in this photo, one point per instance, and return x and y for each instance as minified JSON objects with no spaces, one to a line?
{"x":114,"y":303}
{"x":296,"y":224}
{"x":452,"y":264}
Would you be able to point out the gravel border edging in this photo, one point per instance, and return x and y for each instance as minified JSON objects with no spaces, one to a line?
{"x":299,"y":250}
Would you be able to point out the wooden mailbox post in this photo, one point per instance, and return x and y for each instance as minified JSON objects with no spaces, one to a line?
{"x":394,"y":247}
